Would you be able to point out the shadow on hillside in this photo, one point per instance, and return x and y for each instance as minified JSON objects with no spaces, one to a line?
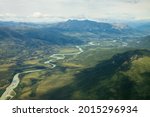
{"x":97,"y":82}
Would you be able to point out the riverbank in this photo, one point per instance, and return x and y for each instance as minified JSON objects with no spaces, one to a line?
{"x":10,"y":93}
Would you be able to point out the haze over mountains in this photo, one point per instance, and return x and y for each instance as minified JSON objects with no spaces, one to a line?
{"x":30,"y":30}
{"x":69,"y":32}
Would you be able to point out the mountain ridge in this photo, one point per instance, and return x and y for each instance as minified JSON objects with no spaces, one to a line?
{"x":109,"y":79}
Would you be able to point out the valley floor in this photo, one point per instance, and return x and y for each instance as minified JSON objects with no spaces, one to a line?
{"x":44,"y":77}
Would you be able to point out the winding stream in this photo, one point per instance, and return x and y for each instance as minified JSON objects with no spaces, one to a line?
{"x":56,"y":57}
{"x":10,"y":93}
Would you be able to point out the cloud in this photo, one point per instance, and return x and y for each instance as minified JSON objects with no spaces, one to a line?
{"x":132,"y":1}
{"x":82,"y":9}
{"x":39,"y":15}
{"x":7,"y":15}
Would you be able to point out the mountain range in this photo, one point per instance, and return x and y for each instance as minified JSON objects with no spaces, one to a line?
{"x":62,"y":33}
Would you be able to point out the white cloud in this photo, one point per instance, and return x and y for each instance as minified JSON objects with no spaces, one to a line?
{"x":132,"y":1}
{"x":94,"y":9}
{"x":7,"y":15}
{"x":39,"y":15}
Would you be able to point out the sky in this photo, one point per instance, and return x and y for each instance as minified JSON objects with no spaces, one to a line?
{"x":55,"y":10}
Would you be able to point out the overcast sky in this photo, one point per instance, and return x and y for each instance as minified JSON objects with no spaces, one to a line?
{"x":47,"y":10}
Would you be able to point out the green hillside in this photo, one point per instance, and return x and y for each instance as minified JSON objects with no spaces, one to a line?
{"x":124,"y":76}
